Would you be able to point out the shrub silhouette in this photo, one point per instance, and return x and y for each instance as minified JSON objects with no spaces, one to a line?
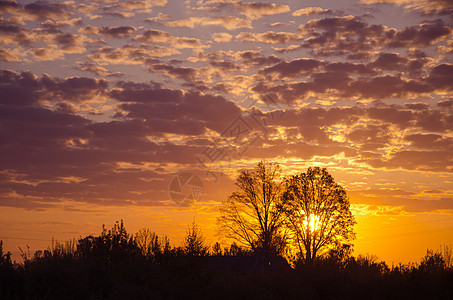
{"x":117,"y":265}
{"x":432,"y":262}
{"x":194,"y":243}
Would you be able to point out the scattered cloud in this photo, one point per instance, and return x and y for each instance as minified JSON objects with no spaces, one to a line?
{"x":434,"y":7}
{"x":9,"y":55}
{"x":251,"y":10}
{"x":350,"y":34}
{"x":159,"y":36}
{"x":270,"y":37}
{"x":221,"y":37}
{"x":129,"y":54}
{"x":294,"y":68}
{"x":97,"y":69}
{"x":256,"y":10}
{"x":111,"y":32}
{"x":310,"y":11}
{"x":228,"y":22}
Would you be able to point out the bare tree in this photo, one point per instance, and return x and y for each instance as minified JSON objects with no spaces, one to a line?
{"x":318,"y":213}
{"x":151,"y":244}
{"x":254,"y":215}
{"x":145,"y":240}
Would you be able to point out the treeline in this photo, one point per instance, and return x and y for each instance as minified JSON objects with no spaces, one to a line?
{"x":119,"y":265}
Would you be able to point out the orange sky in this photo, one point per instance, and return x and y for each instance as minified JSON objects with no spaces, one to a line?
{"x":104,"y":103}
{"x":390,"y":232}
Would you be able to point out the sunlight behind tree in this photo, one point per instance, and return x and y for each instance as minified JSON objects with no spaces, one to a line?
{"x":311,"y":222}
{"x":318,"y":214}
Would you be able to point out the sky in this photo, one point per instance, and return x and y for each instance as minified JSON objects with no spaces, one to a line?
{"x":107,"y":109}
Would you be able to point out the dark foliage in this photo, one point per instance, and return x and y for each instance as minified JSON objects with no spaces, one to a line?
{"x":115,"y":265}
{"x":318,"y":214}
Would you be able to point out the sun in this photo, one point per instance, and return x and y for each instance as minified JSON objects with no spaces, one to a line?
{"x":311,"y":222}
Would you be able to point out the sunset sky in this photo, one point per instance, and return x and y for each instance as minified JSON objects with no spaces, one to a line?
{"x":103,"y":103}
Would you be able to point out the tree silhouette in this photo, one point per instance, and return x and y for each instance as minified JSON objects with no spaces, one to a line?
{"x":432,"y":262}
{"x":113,"y":245}
{"x":447,"y":254}
{"x":194,"y":243}
{"x":254,"y":215}
{"x":216,"y":249}
{"x":318,"y":214}
{"x":5,"y":259}
{"x":151,"y":245}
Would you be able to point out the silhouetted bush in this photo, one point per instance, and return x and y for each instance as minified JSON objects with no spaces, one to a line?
{"x":117,"y":265}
